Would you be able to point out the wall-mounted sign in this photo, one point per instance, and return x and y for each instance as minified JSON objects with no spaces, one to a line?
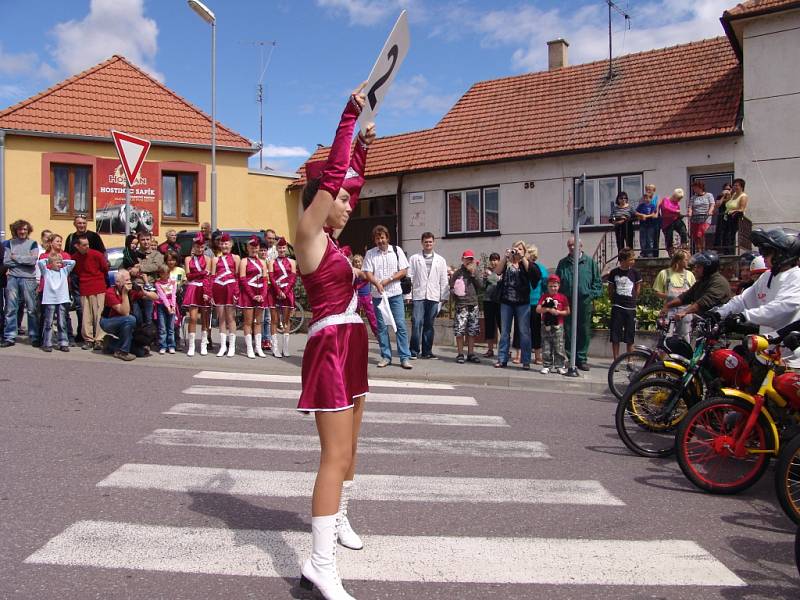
{"x":110,"y":194}
{"x":416,"y":197}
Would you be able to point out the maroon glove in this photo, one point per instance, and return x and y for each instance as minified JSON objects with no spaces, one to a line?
{"x":339,"y":156}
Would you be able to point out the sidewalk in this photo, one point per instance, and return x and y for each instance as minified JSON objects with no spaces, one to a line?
{"x":443,"y":370}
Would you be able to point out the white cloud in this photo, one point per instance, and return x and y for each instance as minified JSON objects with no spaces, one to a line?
{"x":273,"y":151}
{"x":111,"y":27}
{"x":417,"y":94}
{"x":371,"y":12}
{"x":11,"y":91}
{"x":17,"y":64}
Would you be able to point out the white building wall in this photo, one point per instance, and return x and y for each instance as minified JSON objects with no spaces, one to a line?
{"x":769,"y":159}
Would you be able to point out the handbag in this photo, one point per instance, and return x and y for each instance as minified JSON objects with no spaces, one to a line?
{"x":405,"y":282}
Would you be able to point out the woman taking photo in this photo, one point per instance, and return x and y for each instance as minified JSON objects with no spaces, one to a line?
{"x":334,"y":374}
{"x":517,"y":275}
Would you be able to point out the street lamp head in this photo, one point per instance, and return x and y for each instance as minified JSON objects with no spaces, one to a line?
{"x":202,"y":10}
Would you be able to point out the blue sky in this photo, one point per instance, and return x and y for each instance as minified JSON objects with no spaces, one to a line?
{"x":323,"y":49}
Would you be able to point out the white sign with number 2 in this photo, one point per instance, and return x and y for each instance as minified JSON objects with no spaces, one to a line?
{"x":386,"y":67}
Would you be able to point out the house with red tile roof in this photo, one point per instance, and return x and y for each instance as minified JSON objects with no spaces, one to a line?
{"x":503,"y":164}
{"x":57,"y":160}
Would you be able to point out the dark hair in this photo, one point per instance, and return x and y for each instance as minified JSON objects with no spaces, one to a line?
{"x":128,"y":239}
{"x":622,"y":195}
{"x":311,"y":189}
{"x":272,"y":231}
{"x":81,"y":236}
{"x":427,"y":236}
{"x":20,"y":223}
{"x":625,"y":254}
{"x":740,"y":181}
{"x":174,"y":255}
{"x":143,"y":234}
{"x":380,"y":229}
{"x":700,"y":184}
{"x":494,"y":256}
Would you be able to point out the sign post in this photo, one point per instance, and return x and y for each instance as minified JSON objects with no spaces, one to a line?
{"x":577,"y":214}
{"x":132,"y":152}
{"x":385,"y":69}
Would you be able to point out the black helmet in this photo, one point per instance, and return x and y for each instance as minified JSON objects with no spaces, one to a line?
{"x":782,"y":241}
{"x":747,"y":257}
{"x":709,"y":260}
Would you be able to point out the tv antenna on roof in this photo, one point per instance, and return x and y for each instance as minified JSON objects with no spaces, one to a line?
{"x":260,"y":92}
{"x":613,"y":5}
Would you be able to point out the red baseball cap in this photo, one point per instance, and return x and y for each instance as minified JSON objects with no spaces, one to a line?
{"x":554,"y":278}
{"x":468,"y":254}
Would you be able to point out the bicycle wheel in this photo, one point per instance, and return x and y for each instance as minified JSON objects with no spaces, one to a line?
{"x":297,"y":318}
{"x":787,"y":479}
{"x":705,"y":441}
{"x":623,"y":370}
{"x":644,"y":422}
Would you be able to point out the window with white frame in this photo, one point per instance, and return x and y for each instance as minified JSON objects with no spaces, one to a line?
{"x":601,"y":192}
{"x":473,"y":211}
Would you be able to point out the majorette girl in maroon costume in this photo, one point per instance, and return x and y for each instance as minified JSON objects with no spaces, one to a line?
{"x":253,"y":280}
{"x":283,"y":275}
{"x":197,"y":297}
{"x":335,"y":359}
{"x":225,"y":294}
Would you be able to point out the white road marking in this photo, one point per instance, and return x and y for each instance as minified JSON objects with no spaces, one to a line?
{"x":268,"y":378}
{"x":250,"y":392}
{"x":386,"y":488}
{"x":255,"y":553}
{"x":192,"y":409}
{"x":367,"y":445}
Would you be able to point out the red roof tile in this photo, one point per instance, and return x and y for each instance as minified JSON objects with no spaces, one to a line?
{"x":684,"y":92}
{"x":116,"y":94}
{"x":751,"y":8}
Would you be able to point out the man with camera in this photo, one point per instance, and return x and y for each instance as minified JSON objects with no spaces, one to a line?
{"x":117,"y":319}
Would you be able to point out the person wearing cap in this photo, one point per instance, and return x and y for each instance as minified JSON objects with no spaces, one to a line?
{"x":252,"y":291}
{"x":751,"y":265}
{"x":282,"y":277}
{"x":429,"y":287}
{"x":464,"y":285}
{"x":553,"y":307}
{"x":225,"y":294}
{"x":197,"y":297}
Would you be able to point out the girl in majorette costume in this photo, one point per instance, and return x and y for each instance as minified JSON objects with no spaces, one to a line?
{"x":334,"y":373}
{"x":266,"y":326}
{"x":282,"y":277}
{"x":253,"y":280}
{"x":363,"y":291}
{"x":225,"y":294}
{"x":197,"y":297}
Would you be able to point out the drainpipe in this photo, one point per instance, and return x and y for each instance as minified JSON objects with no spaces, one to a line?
{"x":2,"y":186}
{"x":399,"y":210}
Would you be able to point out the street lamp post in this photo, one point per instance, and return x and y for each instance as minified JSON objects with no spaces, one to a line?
{"x":208,"y":16}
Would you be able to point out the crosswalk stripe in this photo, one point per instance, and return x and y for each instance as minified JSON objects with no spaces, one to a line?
{"x":367,"y":445}
{"x":250,"y":392}
{"x":191,"y":409}
{"x":254,"y":553}
{"x":290,"y":484}
{"x":269,"y":378}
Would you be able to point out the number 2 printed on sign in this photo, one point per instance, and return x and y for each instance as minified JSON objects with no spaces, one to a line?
{"x":373,"y":100}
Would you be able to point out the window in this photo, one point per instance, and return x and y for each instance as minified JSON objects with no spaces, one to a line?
{"x":601,"y":193}
{"x":70,"y":190}
{"x":179,"y":197}
{"x":473,"y":211}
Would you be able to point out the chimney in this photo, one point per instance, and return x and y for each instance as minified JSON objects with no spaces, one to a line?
{"x":557,"y":54}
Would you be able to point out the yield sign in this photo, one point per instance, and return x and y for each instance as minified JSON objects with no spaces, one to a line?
{"x":132,"y":151}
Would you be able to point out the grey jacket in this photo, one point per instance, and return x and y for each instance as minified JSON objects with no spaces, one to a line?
{"x":20,"y":258}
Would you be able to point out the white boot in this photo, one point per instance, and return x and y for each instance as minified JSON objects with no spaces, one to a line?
{"x":231,"y":344}
{"x":203,"y":343}
{"x":347,"y":537}
{"x":276,"y":345}
{"x":285,"y":344}
{"x":248,"y":343}
{"x":257,"y":344}
{"x":320,"y":570}
{"x":192,"y":337}
{"x":223,"y":338}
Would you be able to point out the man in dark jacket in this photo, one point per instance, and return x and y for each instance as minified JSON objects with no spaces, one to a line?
{"x":590,"y":287}
{"x":711,"y":288}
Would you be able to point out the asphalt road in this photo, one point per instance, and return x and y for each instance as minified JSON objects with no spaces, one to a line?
{"x":145,"y":481}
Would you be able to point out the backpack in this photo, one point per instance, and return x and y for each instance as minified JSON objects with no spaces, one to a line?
{"x":405,"y":282}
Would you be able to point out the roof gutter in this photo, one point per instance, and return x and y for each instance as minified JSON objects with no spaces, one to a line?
{"x":727,"y":17}
{"x":2,"y":185}
{"x":97,"y":138}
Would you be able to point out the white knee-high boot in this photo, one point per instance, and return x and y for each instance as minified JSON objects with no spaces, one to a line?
{"x":248,"y":344}
{"x":286,"y":344}
{"x":320,"y":570}
{"x":223,"y":338}
{"x":276,"y":345}
{"x":192,"y":337}
{"x":347,"y":537}
{"x":231,"y":344}
{"x":203,"y":343}
{"x":257,"y":345}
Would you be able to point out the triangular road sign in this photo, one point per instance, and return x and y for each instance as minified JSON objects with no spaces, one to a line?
{"x":132,"y":151}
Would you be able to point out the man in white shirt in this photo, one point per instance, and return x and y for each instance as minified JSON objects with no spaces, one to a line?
{"x":385,"y":265}
{"x":428,"y":273}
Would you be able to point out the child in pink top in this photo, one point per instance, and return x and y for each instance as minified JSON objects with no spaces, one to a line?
{"x":166,"y":308}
